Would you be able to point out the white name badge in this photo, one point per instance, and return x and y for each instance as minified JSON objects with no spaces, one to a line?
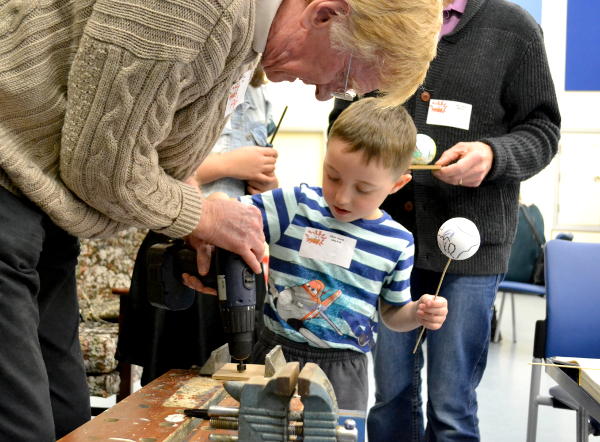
{"x":449,"y":113}
{"x":327,"y":246}
{"x":237,"y":92}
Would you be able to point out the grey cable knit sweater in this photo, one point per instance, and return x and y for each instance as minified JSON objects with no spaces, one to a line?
{"x":107,"y":104}
{"x":494,"y":60}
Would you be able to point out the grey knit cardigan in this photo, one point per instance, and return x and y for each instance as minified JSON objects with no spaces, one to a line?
{"x":496,"y":61}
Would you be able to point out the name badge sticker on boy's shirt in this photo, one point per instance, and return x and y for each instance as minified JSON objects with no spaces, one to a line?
{"x":327,"y":246}
{"x":449,"y":113}
{"x":237,"y":92}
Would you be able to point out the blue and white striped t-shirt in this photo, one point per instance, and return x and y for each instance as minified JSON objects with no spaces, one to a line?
{"x":312,"y":300}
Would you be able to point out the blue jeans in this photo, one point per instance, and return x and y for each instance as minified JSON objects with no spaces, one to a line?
{"x":42,"y":377}
{"x":456,"y":359}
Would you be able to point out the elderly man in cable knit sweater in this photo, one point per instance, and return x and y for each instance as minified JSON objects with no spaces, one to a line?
{"x":107,"y":106}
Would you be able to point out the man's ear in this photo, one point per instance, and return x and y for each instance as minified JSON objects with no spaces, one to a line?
{"x":402,"y":181}
{"x":319,"y":13}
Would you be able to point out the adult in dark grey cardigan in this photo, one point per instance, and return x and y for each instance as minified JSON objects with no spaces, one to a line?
{"x":493,"y":60}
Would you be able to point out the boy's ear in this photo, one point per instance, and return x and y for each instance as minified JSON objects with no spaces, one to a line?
{"x":402,"y":181}
{"x":319,"y":13}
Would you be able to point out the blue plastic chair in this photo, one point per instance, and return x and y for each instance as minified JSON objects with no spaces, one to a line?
{"x":512,"y":288}
{"x":518,"y":287}
{"x":572,"y":324}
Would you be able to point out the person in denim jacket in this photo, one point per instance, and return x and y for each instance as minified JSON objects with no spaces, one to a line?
{"x":243,"y":161}
{"x":240,"y":160}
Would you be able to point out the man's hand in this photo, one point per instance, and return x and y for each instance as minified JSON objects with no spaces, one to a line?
{"x":204,"y":253}
{"x":232,"y":226}
{"x":465,"y":164}
{"x":431,"y":313}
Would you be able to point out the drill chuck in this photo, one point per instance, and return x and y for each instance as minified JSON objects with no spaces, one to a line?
{"x":236,"y":287}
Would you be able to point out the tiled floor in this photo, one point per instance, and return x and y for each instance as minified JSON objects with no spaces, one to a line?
{"x":504,"y":391}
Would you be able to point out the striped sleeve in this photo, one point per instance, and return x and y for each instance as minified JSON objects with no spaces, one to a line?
{"x":277,"y":208}
{"x":396,"y":287}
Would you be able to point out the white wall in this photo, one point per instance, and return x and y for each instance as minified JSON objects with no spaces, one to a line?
{"x":578,"y":165}
{"x":301,"y":138}
{"x":568,"y":190}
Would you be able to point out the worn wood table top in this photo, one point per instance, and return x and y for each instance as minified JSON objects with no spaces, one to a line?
{"x":155,"y":412}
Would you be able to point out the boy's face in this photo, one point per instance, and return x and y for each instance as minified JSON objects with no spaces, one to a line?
{"x":354,"y":190}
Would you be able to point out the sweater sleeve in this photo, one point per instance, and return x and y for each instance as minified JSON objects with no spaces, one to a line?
{"x":146,"y":95}
{"x":120,"y":108}
{"x":533,"y":119}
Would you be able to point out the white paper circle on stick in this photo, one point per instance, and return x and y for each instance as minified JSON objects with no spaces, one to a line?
{"x":425,"y":151}
{"x":458,"y":238}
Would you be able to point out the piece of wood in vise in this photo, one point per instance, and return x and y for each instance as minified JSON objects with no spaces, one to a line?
{"x":229,"y":372}
{"x":274,"y":361}
{"x":286,"y":379}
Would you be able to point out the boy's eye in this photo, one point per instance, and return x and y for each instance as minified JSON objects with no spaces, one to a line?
{"x":334,"y":179}
{"x":363,"y":191}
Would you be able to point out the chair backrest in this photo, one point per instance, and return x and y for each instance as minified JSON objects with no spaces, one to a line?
{"x":572,"y":299}
{"x":526,"y":247}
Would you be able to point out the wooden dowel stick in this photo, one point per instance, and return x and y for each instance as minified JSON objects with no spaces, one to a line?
{"x":564,"y":366}
{"x":437,"y":292}
{"x":278,"y":124}
{"x":424,"y":167}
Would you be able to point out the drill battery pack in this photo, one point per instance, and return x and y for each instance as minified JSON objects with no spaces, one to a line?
{"x":234,"y":281}
{"x":166,"y":263}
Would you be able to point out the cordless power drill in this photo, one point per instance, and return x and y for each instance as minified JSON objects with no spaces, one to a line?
{"x":235,"y":282}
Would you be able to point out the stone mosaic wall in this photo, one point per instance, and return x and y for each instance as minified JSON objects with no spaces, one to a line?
{"x":103,"y":264}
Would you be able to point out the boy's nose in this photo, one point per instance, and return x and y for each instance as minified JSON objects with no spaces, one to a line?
{"x":342,"y":196}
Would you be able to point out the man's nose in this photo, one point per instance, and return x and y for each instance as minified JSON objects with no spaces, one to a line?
{"x":323,"y":93}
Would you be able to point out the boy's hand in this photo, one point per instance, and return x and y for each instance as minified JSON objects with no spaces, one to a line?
{"x":269,"y":182}
{"x":219,"y":196}
{"x":197,"y":285}
{"x":431,"y":313}
{"x":252,"y":163}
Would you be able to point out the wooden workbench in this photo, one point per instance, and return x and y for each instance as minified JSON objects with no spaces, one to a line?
{"x":155,"y":412}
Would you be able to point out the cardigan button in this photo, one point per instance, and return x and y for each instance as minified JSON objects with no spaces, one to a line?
{"x":425,"y":96}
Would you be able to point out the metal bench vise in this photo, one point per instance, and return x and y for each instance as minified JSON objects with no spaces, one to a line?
{"x":265,"y":413}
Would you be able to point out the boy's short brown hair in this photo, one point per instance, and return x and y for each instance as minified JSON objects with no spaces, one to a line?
{"x":385,"y":134}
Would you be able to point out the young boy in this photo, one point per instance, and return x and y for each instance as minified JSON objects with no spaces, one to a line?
{"x":335,"y":256}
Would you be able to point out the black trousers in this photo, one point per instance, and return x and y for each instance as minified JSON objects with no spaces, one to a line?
{"x":44,"y":393}
{"x":347,"y":370}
